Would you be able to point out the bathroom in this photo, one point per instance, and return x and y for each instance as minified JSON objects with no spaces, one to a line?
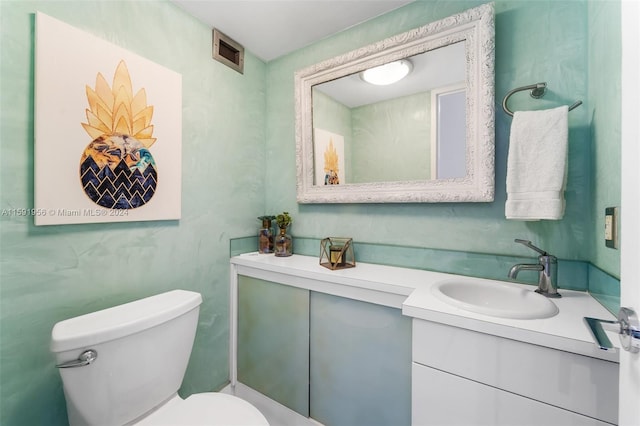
{"x":239,"y":163}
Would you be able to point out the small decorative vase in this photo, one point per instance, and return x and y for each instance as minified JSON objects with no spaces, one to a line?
{"x":265,"y":237}
{"x":283,"y":244}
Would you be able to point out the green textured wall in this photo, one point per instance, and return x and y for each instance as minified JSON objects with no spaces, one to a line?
{"x":604,"y":113}
{"x":535,"y":41}
{"x":53,"y":273}
{"x":392,"y":139}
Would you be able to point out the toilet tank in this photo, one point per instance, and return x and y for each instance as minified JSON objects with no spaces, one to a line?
{"x":143,"y":349}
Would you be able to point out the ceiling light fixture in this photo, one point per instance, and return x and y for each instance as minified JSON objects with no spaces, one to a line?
{"x":388,"y":73}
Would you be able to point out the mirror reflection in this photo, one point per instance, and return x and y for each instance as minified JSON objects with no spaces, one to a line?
{"x":429,"y":137}
{"x":412,"y":129}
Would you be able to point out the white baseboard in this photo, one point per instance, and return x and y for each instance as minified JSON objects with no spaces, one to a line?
{"x":276,"y":413}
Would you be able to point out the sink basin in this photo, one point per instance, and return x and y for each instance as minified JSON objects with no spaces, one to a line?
{"x":496,"y":299}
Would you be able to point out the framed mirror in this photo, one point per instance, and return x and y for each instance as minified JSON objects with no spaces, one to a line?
{"x":428,"y":137}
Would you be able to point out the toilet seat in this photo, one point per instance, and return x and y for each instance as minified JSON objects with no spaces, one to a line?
{"x":210,"y":409}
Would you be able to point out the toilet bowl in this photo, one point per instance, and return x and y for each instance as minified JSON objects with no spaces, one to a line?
{"x":211,"y":408}
{"x":124,"y":366}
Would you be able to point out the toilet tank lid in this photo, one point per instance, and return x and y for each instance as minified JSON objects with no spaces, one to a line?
{"x":122,"y":320}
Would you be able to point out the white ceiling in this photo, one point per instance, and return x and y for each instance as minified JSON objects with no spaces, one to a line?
{"x":270,"y":28}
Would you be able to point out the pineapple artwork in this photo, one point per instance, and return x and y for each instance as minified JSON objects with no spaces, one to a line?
{"x":331,"y":168}
{"x":107,"y":131}
{"x":117,"y":170}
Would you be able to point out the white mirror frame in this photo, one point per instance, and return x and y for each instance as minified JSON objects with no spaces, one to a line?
{"x":474,"y":27}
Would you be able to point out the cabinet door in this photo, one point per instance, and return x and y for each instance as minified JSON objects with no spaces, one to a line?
{"x":273,"y":341}
{"x":573,"y":382}
{"x":360,"y":363}
{"x":440,"y":398}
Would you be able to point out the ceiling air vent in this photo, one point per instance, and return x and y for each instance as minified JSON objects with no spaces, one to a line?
{"x":227,"y":51}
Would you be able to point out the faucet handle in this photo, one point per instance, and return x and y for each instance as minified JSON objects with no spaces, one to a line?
{"x":531,"y":246}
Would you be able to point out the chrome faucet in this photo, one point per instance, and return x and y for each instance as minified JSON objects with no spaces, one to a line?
{"x":547,"y":266}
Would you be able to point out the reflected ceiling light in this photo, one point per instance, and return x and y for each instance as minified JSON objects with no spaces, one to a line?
{"x":387,"y":73}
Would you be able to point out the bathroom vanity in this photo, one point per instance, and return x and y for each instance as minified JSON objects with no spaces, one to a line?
{"x":466,"y":367}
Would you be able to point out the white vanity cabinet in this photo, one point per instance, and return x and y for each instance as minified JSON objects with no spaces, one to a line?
{"x":463,"y":377}
{"x":467,"y":368}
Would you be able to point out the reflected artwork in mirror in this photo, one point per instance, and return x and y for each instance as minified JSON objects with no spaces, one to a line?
{"x":428,"y":137}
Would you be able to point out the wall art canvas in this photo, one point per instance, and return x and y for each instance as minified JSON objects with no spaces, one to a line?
{"x":108,"y":131}
{"x":329,"y":157}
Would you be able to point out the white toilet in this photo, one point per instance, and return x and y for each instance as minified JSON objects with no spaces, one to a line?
{"x":124,"y":366}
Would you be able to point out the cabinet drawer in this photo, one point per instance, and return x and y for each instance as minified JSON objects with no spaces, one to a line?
{"x":440,"y":398}
{"x":574,"y":382}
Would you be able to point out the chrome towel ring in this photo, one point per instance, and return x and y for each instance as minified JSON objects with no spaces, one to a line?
{"x":537,"y":91}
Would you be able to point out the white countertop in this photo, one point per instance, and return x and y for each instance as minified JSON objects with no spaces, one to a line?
{"x":410,"y":290}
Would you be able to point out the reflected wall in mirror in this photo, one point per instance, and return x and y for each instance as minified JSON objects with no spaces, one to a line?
{"x":392,"y":131}
{"x":426,"y":138}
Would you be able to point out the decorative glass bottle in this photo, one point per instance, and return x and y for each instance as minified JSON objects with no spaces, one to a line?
{"x":283,"y":244}
{"x":265,"y":235}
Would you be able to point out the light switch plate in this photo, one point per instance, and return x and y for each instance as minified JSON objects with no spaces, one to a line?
{"x":611,"y":227}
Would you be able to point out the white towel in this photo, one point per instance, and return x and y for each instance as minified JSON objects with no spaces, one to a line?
{"x":537,"y":164}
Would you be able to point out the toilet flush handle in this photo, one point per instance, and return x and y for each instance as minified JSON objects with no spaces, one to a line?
{"x":85,"y":358}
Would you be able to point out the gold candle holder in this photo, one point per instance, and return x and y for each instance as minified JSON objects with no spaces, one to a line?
{"x":337,"y":253}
